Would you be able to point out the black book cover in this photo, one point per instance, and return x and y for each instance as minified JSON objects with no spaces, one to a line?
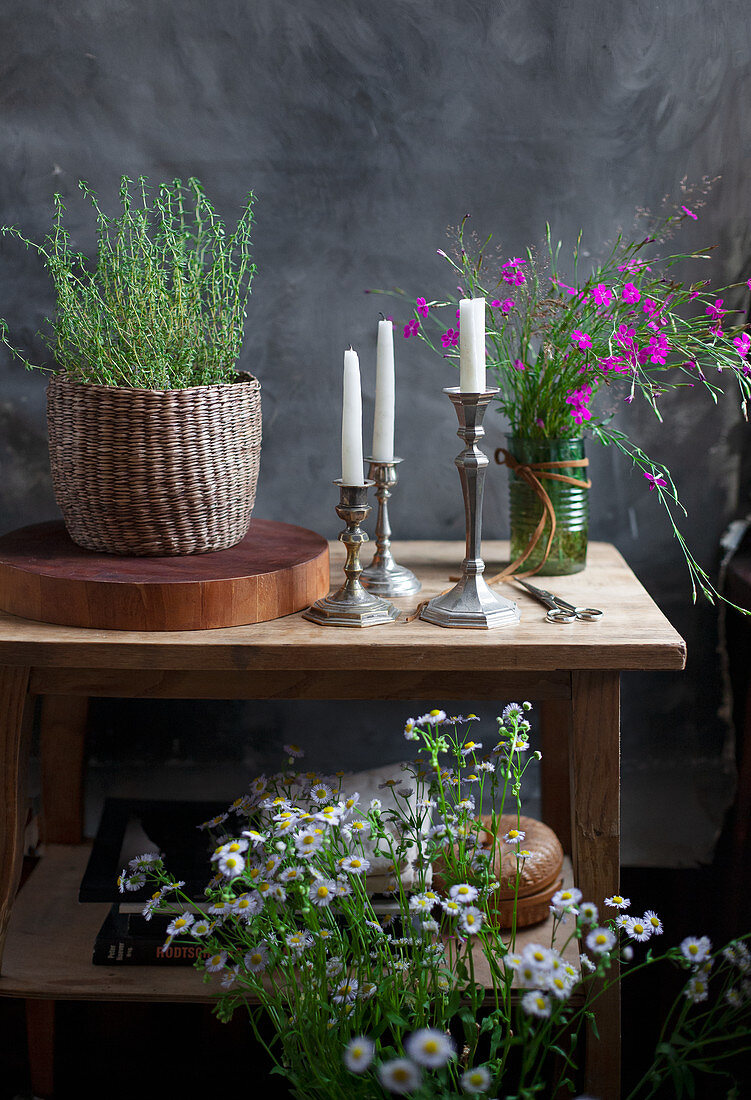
{"x":128,"y":939}
{"x":130,"y":827}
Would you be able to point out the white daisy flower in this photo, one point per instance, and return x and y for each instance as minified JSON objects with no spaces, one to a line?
{"x":367,"y":990}
{"x":565,"y":899}
{"x":255,"y":837}
{"x":375,"y":805}
{"x":354,"y":865}
{"x":588,"y":913}
{"x":220,"y":907}
{"x":142,"y":863}
{"x":734,"y":998}
{"x":538,"y":955}
{"x":524,"y":855}
{"x":231,"y":865}
{"x":514,"y":836}
{"x":696,"y":949}
{"x":471,"y":919}
{"x":308,"y":841}
{"x":639,"y":929}
{"x":345,"y":992}
{"x":618,"y":902}
{"x":697,"y":989}
{"x":291,"y":874}
{"x":471,"y":746}
{"x":463,"y":893}
{"x":587,"y":963}
{"x":536,"y":1003}
{"x":277,"y":892}
{"x":358,"y":1054}
{"x":399,"y":1075}
{"x":513,"y":710}
{"x":512,"y":960}
{"x":451,"y":907}
{"x":294,"y":751}
{"x":231,"y":848}
{"x":430,"y":1047}
{"x":654,"y":922}
{"x":343,"y":888}
{"x":519,"y":744}
{"x":348,"y":804}
{"x":476,"y":1079}
{"x":358,"y":829}
{"x":130,"y":882}
{"x":320,"y":793}
{"x":600,"y":940}
{"x":180,"y":923}
{"x":419,"y":903}
{"x":298,"y":941}
{"x":216,"y":962}
{"x":410,"y":731}
{"x":213,"y":822}
{"x":322,"y":892}
{"x":257,"y":958}
{"x":201,"y":928}
{"x":621,"y":921}
{"x":432,"y":718}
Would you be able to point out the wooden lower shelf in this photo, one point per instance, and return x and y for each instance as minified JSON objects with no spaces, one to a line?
{"x":51,"y":936}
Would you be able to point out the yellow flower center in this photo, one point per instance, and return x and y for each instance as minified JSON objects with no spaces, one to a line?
{"x":323,"y":891}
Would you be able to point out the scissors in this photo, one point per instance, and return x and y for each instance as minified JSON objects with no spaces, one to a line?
{"x":559,"y":611}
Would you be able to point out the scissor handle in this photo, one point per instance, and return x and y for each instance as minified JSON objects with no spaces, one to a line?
{"x":558,"y":615}
{"x":589,"y":614}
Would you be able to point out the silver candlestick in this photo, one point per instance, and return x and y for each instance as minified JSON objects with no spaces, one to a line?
{"x":352,"y":605}
{"x":471,"y":603}
{"x":383,"y":576}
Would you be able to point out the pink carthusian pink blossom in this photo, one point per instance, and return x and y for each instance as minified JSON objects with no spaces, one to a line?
{"x":422,"y":307}
{"x":582,"y":339}
{"x":654,"y":480}
{"x":411,"y":328}
{"x":630,"y":294}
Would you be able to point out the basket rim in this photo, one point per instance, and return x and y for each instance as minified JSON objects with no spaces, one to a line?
{"x":244,"y":378}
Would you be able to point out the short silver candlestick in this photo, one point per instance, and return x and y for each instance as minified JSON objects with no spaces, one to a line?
{"x":383,"y":576}
{"x":471,"y":603}
{"x":352,"y":604}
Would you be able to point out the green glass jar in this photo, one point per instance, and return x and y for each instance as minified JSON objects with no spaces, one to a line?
{"x":568,"y":552}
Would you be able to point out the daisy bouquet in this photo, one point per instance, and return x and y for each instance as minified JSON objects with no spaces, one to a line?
{"x":568,"y":349}
{"x":365,"y":1003}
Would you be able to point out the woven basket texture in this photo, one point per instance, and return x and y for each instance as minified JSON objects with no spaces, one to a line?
{"x":155,"y":472}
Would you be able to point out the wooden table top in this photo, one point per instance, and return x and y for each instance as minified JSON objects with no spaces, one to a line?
{"x":633,"y":633}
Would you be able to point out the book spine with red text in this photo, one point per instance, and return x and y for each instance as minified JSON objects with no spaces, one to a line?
{"x":127,"y":939}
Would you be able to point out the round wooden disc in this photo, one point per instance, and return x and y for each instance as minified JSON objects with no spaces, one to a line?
{"x":276,"y":570}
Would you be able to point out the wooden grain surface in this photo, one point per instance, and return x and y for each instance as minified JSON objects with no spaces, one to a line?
{"x":633,"y":634}
{"x":51,"y":937}
{"x":275,"y":570}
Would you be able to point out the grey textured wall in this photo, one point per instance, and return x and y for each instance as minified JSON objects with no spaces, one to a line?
{"x":366,"y":129}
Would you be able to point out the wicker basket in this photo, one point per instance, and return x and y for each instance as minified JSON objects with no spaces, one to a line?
{"x":155,"y":472}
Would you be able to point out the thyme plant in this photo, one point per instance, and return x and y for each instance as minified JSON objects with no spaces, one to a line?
{"x":362,"y":1004}
{"x":164,"y":303}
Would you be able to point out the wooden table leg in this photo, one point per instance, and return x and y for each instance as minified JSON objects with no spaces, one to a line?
{"x":595,"y":826}
{"x":62,"y":736}
{"x":15,"y":736}
{"x":40,"y":1031}
{"x":555,"y":720}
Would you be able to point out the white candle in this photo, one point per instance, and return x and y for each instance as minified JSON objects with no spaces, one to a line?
{"x":472,"y":345}
{"x":352,"y":462}
{"x":383,"y":421}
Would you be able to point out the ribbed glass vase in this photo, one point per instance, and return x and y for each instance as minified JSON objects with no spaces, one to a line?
{"x":568,"y":552}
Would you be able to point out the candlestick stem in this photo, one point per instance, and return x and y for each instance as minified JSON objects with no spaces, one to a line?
{"x":471,"y":603}
{"x":352,"y":604}
{"x":383,"y":576}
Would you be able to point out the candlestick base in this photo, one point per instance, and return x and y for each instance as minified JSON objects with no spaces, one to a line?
{"x":384,"y":576}
{"x":471,"y":604}
{"x":352,"y":604}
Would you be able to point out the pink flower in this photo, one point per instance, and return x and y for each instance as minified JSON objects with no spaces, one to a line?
{"x":578,"y":400}
{"x":450,"y":338}
{"x":748,"y":283}
{"x":658,"y":348}
{"x":690,"y":213}
{"x":519,"y":365}
{"x":601,"y":295}
{"x":743,"y":343}
{"x":422,"y":307}
{"x":582,"y":339}
{"x":511,"y":272}
{"x":716,"y":311}
{"x":562,"y":286}
{"x":654,"y":481}
{"x":507,"y":305}
{"x":411,"y":328}
{"x":630,"y":294}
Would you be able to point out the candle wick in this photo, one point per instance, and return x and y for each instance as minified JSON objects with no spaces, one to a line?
{"x":381,"y":315}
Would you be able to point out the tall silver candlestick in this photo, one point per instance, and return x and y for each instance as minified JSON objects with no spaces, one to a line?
{"x":383,"y":576}
{"x":471,"y":603}
{"x":352,"y":605}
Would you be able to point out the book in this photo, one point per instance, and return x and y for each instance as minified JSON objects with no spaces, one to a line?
{"x":128,"y":939}
{"x":130,"y":827}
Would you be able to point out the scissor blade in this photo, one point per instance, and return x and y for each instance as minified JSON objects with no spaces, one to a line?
{"x":540,"y":593}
